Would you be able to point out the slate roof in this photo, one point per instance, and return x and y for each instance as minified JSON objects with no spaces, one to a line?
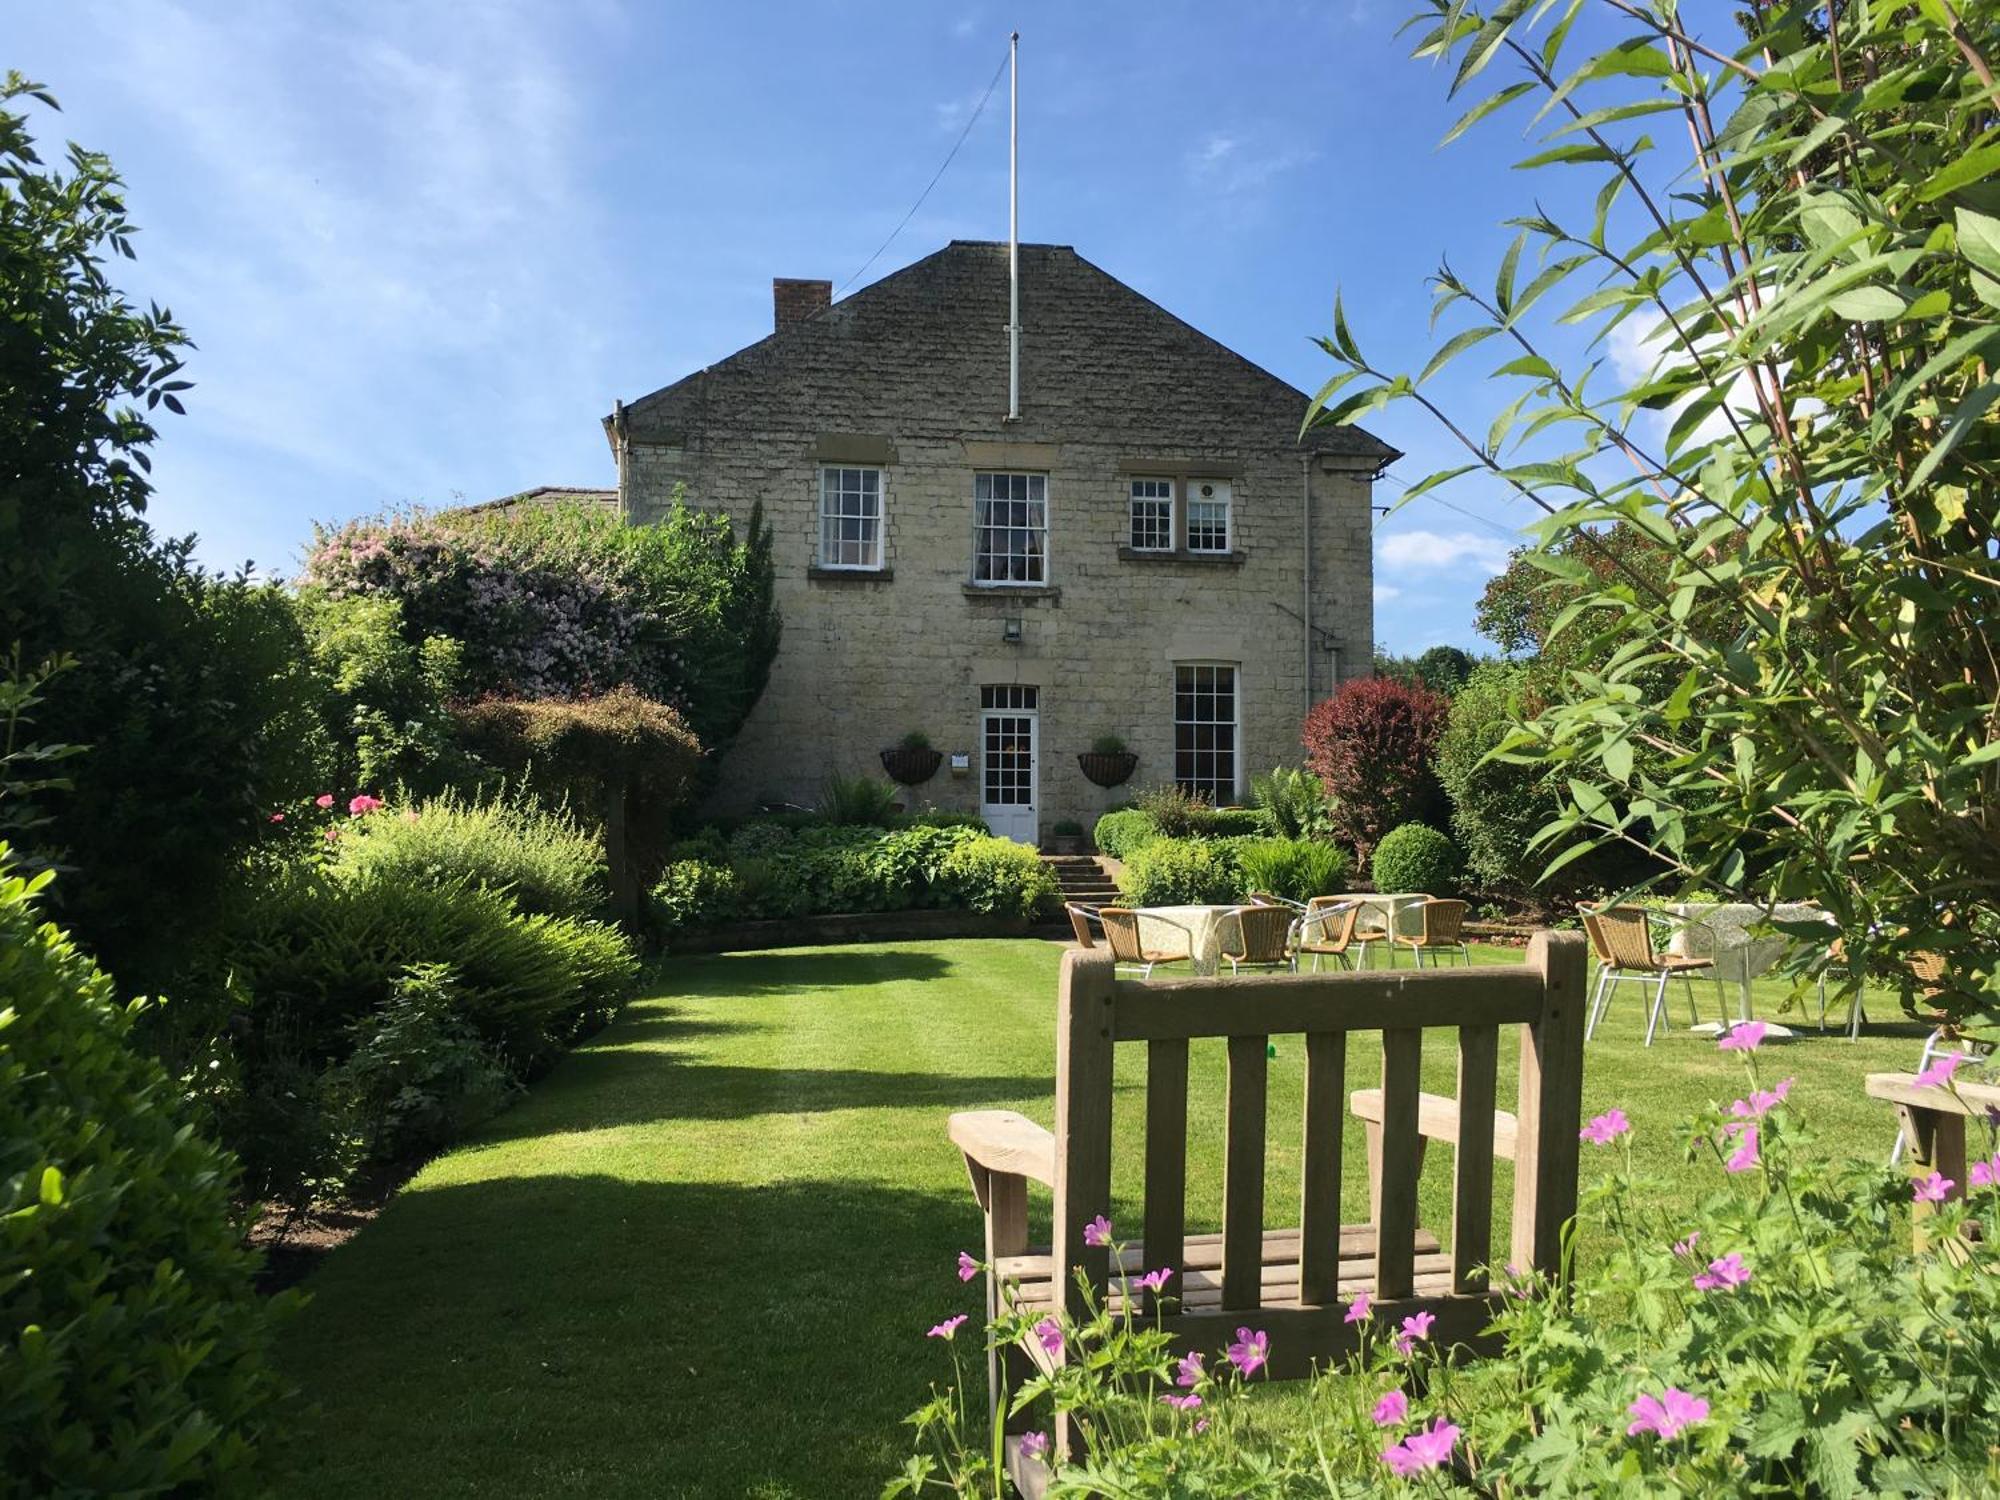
{"x":549,"y":495}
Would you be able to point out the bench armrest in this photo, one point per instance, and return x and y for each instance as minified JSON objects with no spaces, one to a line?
{"x":1437,"y":1119}
{"x":1006,"y":1143}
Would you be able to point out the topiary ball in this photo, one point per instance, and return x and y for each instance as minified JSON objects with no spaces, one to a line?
{"x":1416,"y":857}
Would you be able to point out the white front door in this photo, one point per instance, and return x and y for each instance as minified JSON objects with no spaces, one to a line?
{"x":1007,"y":779}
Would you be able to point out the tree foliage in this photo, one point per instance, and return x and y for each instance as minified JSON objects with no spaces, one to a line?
{"x":1813,"y":453}
{"x":1371,"y":745}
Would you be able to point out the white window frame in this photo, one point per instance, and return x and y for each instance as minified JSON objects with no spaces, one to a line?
{"x":1226,"y":499}
{"x":1234,"y":724}
{"x":1133,"y":500}
{"x":831,"y":513}
{"x":1034,"y":500}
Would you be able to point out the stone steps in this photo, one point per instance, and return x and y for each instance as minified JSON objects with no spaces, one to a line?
{"x":1083,"y":879}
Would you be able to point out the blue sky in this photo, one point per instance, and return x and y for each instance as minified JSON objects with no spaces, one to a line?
{"x":423,"y":247}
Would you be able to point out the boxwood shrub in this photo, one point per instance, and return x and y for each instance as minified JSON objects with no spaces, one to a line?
{"x":1416,"y":857}
{"x":1119,"y":833}
{"x":1170,"y":872}
{"x":132,"y":1344}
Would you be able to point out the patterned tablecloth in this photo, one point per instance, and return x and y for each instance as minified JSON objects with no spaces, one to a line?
{"x":1198,"y":931}
{"x":1722,"y":932}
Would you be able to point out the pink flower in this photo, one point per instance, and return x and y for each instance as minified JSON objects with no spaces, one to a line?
{"x":1722,"y":1274}
{"x":1986,"y":1173}
{"x":363,"y":803}
{"x":1605,"y":1129}
{"x":1184,"y":1403}
{"x":1416,"y":1326}
{"x":409,"y":815}
{"x":1666,"y":1414}
{"x":1097,"y":1232}
{"x":1155,"y":1281}
{"x":1744,"y":1037}
{"x":1761,"y":1102}
{"x":1685,"y":1248}
{"x":1421,"y":1450}
{"x":1932,"y":1189}
{"x":1391,"y":1409}
{"x":947,"y":1328}
{"x":332,"y":834}
{"x":1357,"y":1310}
{"x":967,"y":1266}
{"x":1049,"y":1331}
{"x":1190,"y":1372}
{"x":1249,"y":1351}
{"x":1744,"y":1157}
{"x":1200,"y":1426}
{"x":324,"y":799}
{"x":1938,"y":1074}
{"x":1034,"y":1444}
{"x":277,"y":817}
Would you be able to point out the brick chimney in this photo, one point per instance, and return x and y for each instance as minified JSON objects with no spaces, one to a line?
{"x":794,"y":301}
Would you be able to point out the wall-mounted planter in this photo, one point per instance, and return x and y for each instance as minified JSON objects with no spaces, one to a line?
{"x":910,"y":765}
{"x":1108,"y":770}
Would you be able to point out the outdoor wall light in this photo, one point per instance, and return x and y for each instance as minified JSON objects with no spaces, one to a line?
{"x":961,"y":763}
{"x":1010,"y":630}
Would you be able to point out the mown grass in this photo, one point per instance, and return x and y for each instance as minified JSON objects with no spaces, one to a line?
{"x":699,"y":1258}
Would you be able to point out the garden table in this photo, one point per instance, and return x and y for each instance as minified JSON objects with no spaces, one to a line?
{"x":1720,"y":930}
{"x":1395,"y":913}
{"x":1200,"y":930}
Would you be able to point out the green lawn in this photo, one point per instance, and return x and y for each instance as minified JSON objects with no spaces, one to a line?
{"x":699,"y":1258}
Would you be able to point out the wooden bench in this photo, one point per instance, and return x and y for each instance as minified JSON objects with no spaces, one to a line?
{"x":1933,"y":1124}
{"x":1294,"y":1283}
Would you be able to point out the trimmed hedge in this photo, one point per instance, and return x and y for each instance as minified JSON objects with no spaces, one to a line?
{"x":1118,"y":834}
{"x":1416,"y":857}
{"x":1174,"y":872}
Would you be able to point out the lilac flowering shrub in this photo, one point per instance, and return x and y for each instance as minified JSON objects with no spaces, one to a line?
{"x":1783,"y":1339}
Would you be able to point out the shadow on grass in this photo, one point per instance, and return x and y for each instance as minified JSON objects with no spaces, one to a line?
{"x":656,"y":1023}
{"x":585,"y":1335}
{"x":736,"y":975}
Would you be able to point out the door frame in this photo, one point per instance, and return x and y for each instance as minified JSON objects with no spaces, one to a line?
{"x":1024,"y":822}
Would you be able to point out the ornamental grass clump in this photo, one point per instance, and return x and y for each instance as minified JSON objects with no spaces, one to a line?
{"x":1785,"y":1338}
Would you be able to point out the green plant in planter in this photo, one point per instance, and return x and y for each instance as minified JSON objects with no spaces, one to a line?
{"x":916,"y":739}
{"x":1107,"y":744}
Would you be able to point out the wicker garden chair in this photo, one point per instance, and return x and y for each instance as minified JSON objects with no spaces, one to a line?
{"x":1080,"y":918}
{"x":1265,"y":936}
{"x":1121,"y":932}
{"x":1327,"y":931}
{"x":1441,"y":934}
{"x":1623,"y":940}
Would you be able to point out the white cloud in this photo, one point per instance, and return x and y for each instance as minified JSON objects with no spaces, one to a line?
{"x":1437,"y":550}
{"x":1640,"y":348}
{"x":1384,"y":592}
{"x":1226,"y":163}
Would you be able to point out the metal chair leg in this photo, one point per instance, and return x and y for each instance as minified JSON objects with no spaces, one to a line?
{"x":1595,"y":1011}
{"x":1656,"y":1018}
{"x":1694,"y":1011}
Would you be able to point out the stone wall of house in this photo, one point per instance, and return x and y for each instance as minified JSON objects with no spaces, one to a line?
{"x":866,"y":659}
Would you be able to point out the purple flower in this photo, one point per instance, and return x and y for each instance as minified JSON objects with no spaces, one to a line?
{"x":1184,"y":1403}
{"x":1685,"y":1248}
{"x":1666,"y":1414}
{"x":1249,"y":1351}
{"x":1605,"y":1129}
{"x":1034,"y":1444}
{"x":1190,"y":1372}
{"x":1097,"y":1232}
{"x":1938,"y":1074}
{"x":947,"y":1328}
{"x":1744,"y":1037}
{"x":1744,"y":1157}
{"x":967,"y":1266}
{"x":1357,"y":1310}
{"x":1416,"y":1326}
{"x":1722,"y":1274}
{"x":1932,"y":1189}
{"x":1986,"y":1173}
{"x":1761,"y":1102}
{"x":1421,"y":1450}
{"x":1155,"y":1281}
{"x":1391,"y":1409}
{"x":1049,"y":1331}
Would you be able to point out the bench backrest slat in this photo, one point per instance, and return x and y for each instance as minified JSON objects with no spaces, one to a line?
{"x":1166,"y":1150}
{"x":1243,"y":1173}
{"x":1472,"y":1169}
{"x":1319,"y":1195}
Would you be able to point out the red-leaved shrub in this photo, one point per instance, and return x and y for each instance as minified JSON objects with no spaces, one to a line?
{"x":1374,"y":744}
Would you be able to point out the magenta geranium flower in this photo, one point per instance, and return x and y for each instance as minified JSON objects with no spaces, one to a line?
{"x":1744,"y":1157}
{"x":947,"y":1328}
{"x":1251,"y":1350}
{"x":277,"y":817}
{"x":1185,"y":1403}
{"x":1391,"y":1409}
{"x":1744,"y":1037}
{"x":1938,"y":1074}
{"x":1934,"y":1188}
{"x":1421,"y":1450}
{"x":967,"y":1266}
{"x":1761,"y":1101}
{"x":1985,"y":1173}
{"x":1097,"y":1232}
{"x":1357,"y":1310}
{"x":1666,"y":1414}
{"x":1190,"y":1372}
{"x":1049,"y":1331}
{"x":1155,"y":1281}
{"x":1729,"y":1271}
{"x":1416,"y":1326}
{"x":1685,"y":1247}
{"x":324,"y":799}
{"x":332,"y":835}
{"x":1035,"y":1444}
{"x":1606,"y":1128}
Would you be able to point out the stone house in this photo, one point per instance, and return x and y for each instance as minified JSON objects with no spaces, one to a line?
{"x":1150,"y":550}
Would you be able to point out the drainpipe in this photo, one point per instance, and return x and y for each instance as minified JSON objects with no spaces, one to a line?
{"x":1306,"y":534}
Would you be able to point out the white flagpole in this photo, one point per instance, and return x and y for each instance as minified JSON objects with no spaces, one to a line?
{"x":1014,"y":232}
